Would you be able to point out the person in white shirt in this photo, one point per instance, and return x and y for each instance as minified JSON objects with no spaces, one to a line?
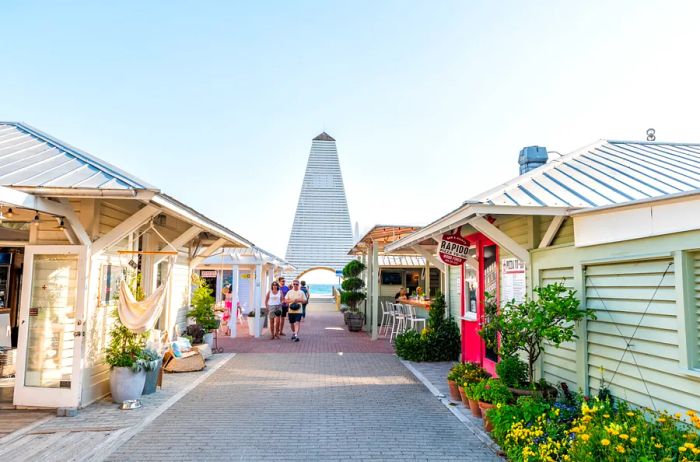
{"x":273,"y":303}
{"x":295,"y":299}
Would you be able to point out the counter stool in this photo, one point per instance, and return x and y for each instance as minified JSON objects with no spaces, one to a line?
{"x":412,"y":318}
{"x":398,"y":326}
{"x":387,"y":317}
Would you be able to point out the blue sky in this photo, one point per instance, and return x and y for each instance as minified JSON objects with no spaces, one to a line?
{"x":216,"y":102}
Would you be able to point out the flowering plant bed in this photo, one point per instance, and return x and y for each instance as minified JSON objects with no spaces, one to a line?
{"x":593,"y":430}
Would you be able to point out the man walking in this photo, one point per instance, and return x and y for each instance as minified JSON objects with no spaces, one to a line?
{"x":285,"y":306}
{"x":295,"y":298}
{"x":307,"y":292}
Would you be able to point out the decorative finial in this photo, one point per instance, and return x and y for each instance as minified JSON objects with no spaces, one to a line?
{"x":651,"y":134}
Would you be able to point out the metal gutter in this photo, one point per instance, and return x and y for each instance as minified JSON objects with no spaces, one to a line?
{"x":646,"y":200}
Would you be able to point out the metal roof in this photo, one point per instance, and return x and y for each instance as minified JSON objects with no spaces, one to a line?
{"x":245,"y":256}
{"x":401,"y":261}
{"x":30,"y":158}
{"x":603,"y":173}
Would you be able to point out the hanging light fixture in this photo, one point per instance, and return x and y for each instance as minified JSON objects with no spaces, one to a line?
{"x":35,"y":221}
{"x":9,"y":213}
{"x":61,"y":226}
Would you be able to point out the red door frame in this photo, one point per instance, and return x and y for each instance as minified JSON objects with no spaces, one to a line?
{"x":473,"y":346}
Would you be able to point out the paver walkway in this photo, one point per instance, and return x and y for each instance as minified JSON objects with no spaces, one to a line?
{"x":300,"y":404}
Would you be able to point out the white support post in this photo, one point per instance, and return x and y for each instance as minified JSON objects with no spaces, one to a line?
{"x":426,"y":279}
{"x":219,"y":286}
{"x":74,"y":223}
{"x":500,"y":238}
{"x":216,"y":245}
{"x":551,"y":231}
{"x":235,"y":277}
{"x":256,"y":298}
{"x":375,"y":291}
{"x":429,"y":257}
{"x":367,"y":260}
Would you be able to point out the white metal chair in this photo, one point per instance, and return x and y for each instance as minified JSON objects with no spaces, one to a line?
{"x":387,"y":317}
{"x":398,"y":325}
{"x":412,"y":318}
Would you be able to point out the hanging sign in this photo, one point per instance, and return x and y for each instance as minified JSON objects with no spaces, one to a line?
{"x":513,"y":284}
{"x":208,"y":274}
{"x":454,"y":249}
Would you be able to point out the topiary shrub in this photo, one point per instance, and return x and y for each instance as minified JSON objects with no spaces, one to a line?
{"x":439,"y":341}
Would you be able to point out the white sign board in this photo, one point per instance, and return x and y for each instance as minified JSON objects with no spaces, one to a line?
{"x":513,"y":284}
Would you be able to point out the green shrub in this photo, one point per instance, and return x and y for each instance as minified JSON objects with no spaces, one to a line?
{"x":352,"y":286}
{"x":202,"y":311}
{"x":512,"y":371}
{"x":489,"y":391}
{"x":125,"y":347}
{"x":439,"y":341}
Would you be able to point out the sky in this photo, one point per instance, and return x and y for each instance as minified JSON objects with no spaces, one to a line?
{"x":216,"y":103}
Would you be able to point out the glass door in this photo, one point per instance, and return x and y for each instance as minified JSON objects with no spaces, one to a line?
{"x":50,"y":334}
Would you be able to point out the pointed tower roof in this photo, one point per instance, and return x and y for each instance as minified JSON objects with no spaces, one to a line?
{"x":324,"y":137}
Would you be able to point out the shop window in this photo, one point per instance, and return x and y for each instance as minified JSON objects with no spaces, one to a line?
{"x":112,"y":276}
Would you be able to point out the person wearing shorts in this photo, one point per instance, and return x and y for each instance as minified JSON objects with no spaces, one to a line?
{"x":307,"y":292}
{"x":273,"y":303}
{"x":285,"y":306}
{"x":295,"y":298}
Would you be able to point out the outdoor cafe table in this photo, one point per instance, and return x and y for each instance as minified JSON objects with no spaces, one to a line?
{"x":425,"y":304}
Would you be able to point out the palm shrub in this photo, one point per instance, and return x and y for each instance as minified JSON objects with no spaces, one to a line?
{"x":202,"y":311}
{"x":525,"y":327}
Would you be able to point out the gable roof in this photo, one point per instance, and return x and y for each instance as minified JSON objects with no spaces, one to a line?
{"x":30,"y":158}
{"x":603,"y":173}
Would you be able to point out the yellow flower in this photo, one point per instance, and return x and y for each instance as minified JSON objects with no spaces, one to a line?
{"x":633,"y":439}
{"x":677,"y":415}
{"x":658,"y":446}
{"x":682,"y":449}
{"x":689,"y":445}
{"x":630,"y":413}
{"x":605,"y":442}
{"x":690,"y":413}
{"x":585,"y":437}
{"x":696,"y":451}
{"x":624,"y":436}
{"x":661,"y":419}
{"x":620,"y":448}
{"x":607,"y":416}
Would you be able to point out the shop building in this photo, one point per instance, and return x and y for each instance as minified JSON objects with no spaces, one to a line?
{"x":70,"y":224}
{"x":617,"y":222}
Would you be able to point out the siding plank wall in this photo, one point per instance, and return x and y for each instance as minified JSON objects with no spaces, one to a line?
{"x":695,"y":356}
{"x":180,"y":291}
{"x":620,"y":293}
{"x":559,"y":364}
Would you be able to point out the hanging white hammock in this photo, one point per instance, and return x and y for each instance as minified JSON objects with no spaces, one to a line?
{"x":140,"y":316}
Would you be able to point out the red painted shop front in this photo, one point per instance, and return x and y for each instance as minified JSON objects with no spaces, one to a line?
{"x":477,"y":281}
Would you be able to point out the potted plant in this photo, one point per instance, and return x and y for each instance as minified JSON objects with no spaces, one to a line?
{"x":454,"y":378}
{"x":490,"y":393}
{"x":202,"y":312}
{"x":525,"y":327}
{"x":151,"y":361}
{"x":127,"y":377}
{"x":513,"y":373}
{"x":352,"y":293}
{"x":251,"y":322}
{"x":473,"y":375}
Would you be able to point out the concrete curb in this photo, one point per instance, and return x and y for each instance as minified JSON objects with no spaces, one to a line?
{"x":104,"y":450}
{"x":478,"y":430}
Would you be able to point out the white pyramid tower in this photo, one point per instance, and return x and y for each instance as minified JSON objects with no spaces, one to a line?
{"x":322,"y":233}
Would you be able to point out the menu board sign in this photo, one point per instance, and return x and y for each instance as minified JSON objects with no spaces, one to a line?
{"x":454,"y":249}
{"x":512,"y":280}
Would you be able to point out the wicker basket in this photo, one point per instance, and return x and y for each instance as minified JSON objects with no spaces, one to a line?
{"x":188,"y":362}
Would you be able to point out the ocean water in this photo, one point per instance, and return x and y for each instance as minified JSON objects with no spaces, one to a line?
{"x":322,"y":290}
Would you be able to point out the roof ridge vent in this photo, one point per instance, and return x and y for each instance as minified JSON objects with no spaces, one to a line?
{"x":532,"y":157}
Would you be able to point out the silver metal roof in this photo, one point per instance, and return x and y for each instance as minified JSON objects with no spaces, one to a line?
{"x":401,"y":261}
{"x":30,"y":158}
{"x":245,"y":256}
{"x":604,"y":173}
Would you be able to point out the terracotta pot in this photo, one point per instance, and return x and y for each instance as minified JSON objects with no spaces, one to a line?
{"x":454,"y":390}
{"x":474,"y":406}
{"x":463,"y":397}
{"x":484,"y":407}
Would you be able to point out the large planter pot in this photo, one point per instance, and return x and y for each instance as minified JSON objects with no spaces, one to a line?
{"x":474,"y":407}
{"x":151,"y":379}
{"x":346,"y":316}
{"x":484,"y":407}
{"x":209,"y":339}
{"x":463,"y":397}
{"x":124,"y":384}
{"x":355,"y":322}
{"x":251,"y":326}
{"x":549,"y":392}
{"x":454,"y":390}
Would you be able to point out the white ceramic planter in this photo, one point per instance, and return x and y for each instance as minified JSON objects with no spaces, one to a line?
{"x":125,"y":384}
{"x":251,"y":326}
{"x":209,"y":339}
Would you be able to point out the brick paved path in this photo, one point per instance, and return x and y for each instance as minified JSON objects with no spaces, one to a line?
{"x":323,"y":331}
{"x":307,"y":402}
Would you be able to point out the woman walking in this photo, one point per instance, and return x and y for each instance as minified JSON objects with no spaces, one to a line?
{"x":273,"y":303}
